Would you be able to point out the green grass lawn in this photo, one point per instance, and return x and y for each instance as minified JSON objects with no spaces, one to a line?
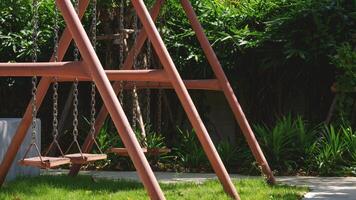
{"x":83,"y":188}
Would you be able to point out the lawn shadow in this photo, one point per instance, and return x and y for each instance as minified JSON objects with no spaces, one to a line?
{"x":28,"y":185}
{"x":36,"y":185}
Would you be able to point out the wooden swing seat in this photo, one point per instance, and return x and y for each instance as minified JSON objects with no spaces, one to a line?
{"x":84,"y":158}
{"x":152,"y":151}
{"x":46,"y":163}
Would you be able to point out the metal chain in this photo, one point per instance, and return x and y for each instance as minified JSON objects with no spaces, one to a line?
{"x":55,"y":83}
{"x":75,"y":111}
{"x":34,"y":109}
{"x":148,"y":91}
{"x":55,"y":111}
{"x":93,"y":23}
{"x":122,"y":35}
{"x":159,"y":111}
{"x":93,"y":87}
{"x":93,"y":111}
{"x":35,"y":6}
{"x":56,"y":34}
{"x":76,"y":50}
{"x":134,"y":90}
{"x":121,"y":53}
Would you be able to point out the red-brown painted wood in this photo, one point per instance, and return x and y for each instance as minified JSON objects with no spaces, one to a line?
{"x":228,"y":91}
{"x":185,"y":98}
{"x":41,"y":92}
{"x":110,"y":100}
{"x":103,"y":113}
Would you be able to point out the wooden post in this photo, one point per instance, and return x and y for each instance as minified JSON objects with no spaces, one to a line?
{"x":103,"y":113}
{"x":228,"y":91}
{"x":185,"y":98}
{"x":110,"y":100}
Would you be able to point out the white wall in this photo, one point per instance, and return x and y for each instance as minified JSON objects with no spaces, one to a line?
{"x":8,"y":128}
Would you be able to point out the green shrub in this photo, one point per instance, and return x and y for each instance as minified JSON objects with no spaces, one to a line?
{"x":334,"y":152}
{"x":345,"y":61}
{"x":191,"y":156}
{"x":190,"y":153}
{"x":285,"y":144}
{"x":228,"y":153}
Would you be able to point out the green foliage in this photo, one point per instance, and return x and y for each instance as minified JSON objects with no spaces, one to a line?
{"x":303,"y":29}
{"x":228,"y":153}
{"x":334,"y":153}
{"x":152,"y":138}
{"x":16,"y":29}
{"x":345,"y":61}
{"x":190,"y":154}
{"x":275,"y":52}
{"x":286,"y":143}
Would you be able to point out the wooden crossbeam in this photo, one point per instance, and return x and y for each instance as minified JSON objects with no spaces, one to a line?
{"x":69,"y":71}
{"x":209,"y":84}
{"x":44,"y":69}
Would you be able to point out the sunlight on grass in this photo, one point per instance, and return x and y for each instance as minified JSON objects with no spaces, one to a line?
{"x":83,"y":188}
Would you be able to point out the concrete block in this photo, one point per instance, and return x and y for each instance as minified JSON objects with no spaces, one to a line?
{"x":8,"y":127}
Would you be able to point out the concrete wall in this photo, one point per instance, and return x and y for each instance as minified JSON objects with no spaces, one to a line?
{"x":8,"y":128}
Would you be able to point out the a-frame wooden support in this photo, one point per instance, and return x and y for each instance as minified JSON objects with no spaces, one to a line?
{"x":101,"y":78}
{"x":221,"y":83}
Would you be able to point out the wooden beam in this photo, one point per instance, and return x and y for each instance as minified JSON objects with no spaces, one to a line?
{"x":210,"y":84}
{"x":68,"y":71}
{"x":47,"y":69}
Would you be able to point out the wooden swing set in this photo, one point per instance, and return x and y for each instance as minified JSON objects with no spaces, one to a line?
{"x":89,"y":68}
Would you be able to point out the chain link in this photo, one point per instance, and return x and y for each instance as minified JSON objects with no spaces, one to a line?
{"x":121,"y":53}
{"x":159,"y":111}
{"x":34,"y":109}
{"x":56,"y":35}
{"x":134,"y":90}
{"x":148,"y":91}
{"x":55,"y":83}
{"x":55,"y":111}
{"x":35,"y":5}
{"x":93,"y":24}
{"x":93,"y":87}
{"x":76,"y":50}
{"x":93,"y":111}
{"x":75,"y":110}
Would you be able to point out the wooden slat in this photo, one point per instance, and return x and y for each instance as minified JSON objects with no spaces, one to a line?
{"x":46,"y":163}
{"x":77,"y":158}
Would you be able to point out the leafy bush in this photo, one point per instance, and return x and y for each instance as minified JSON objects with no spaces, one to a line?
{"x":191,"y":156}
{"x":345,"y":61}
{"x":286,"y":143}
{"x":16,"y":29}
{"x":275,"y":52}
{"x":228,"y":153}
{"x":334,"y":152}
{"x":189,"y":152}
